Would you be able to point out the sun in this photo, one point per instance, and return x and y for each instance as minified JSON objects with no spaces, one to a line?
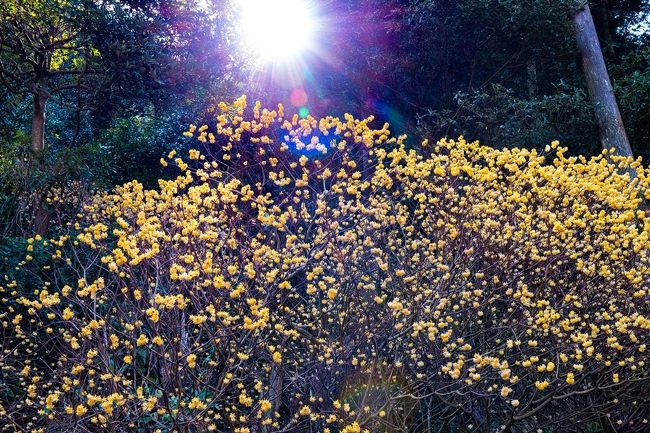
{"x":277,"y":30}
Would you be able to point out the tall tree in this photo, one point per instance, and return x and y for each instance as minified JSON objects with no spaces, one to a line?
{"x":43,"y":54}
{"x":109,"y":54}
{"x":608,"y":116}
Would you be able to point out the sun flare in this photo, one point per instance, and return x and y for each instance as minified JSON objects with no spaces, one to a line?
{"x":277,"y":30}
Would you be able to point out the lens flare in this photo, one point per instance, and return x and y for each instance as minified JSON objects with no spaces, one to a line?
{"x":303,"y":112}
{"x":298,"y":97}
{"x":277,"y":30}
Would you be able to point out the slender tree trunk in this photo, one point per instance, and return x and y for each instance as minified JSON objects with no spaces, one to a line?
{"x":608,"y":116}
{"x":38,"y":123}
{"x":41,"y":218}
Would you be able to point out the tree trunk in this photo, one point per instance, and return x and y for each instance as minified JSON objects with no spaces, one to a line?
{"x":38,"y":124}
{"x":610,"y":124}
{"x":41,"y":218}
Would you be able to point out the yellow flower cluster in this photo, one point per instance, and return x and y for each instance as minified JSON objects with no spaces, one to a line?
{"x":323,"y":275}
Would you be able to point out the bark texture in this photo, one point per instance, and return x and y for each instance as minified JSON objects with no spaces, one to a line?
{"x":38,"y":124}
{"x":608,"y":116}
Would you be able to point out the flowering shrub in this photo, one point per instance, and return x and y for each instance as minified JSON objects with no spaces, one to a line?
{"x":320,"y":275}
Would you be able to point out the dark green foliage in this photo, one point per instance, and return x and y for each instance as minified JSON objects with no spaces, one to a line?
{"x":632,"y":87}
{"x":132,"y":147}
{"x":497,"y":116}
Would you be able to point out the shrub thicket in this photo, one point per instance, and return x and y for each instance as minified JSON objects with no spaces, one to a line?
{"x":319,"y":275}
